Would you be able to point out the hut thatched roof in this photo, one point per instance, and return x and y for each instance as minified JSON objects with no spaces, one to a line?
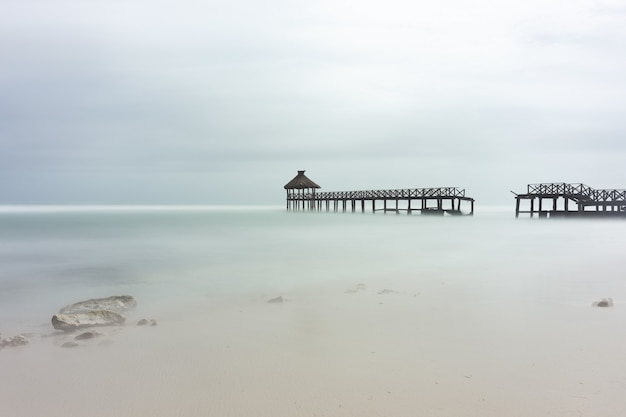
{"x":300,"y":181}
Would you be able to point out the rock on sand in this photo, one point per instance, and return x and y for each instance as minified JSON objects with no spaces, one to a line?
{"x":116,"y":303}
{"x":69,"y":322}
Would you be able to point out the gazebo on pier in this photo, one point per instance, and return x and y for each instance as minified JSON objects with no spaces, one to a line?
{"x":301,"y":189}
{"x":301,"y":195}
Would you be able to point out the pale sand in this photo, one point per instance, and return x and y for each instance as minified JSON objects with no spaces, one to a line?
{"x":325,"y":352}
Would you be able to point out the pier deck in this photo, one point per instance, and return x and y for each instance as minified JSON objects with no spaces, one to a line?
{"x":436,"y":201}
{"x":571,"y":200}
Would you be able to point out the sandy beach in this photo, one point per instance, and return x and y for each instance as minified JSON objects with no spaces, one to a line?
{"x":359,"y":350}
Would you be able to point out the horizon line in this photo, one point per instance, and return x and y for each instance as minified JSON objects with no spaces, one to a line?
{"x":46,"y":207}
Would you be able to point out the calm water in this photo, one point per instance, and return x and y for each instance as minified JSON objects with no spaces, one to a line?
{"x":164,"y":257}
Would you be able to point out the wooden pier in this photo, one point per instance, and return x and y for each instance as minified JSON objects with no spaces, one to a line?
{"x":571,"y":200}
{"x":302,"y":195}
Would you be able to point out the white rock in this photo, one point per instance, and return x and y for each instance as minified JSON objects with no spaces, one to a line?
{"x":69,"y":322}
{"x":116,"y":303}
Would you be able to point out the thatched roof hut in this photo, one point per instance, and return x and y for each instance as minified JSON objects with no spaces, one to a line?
{"x":300,"y":182}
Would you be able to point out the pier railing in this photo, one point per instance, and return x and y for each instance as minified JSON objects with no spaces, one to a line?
{"x":572,"y":200}
{"x":581,"y":191}
{"x":408,"y":193}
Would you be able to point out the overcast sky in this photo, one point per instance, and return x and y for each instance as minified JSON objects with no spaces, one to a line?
{"x":221,"y":102}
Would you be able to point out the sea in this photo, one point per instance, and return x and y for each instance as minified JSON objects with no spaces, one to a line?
{"x":165,"y":256}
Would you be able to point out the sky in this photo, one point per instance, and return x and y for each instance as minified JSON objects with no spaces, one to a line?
{"x":222,"y":102}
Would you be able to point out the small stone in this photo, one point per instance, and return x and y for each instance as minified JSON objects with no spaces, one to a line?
{"x":359,"y":287}
{"x":18,"y":340}
{"x":605,"y":302}
{"x":146,"y":322}
{"x":387,"y":291}
{"x":69,"y":345}
{"x":278,"y":299}
{"x":88,"y":335}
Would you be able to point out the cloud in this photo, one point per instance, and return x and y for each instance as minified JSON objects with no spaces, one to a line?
{"x":118,"y":93}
